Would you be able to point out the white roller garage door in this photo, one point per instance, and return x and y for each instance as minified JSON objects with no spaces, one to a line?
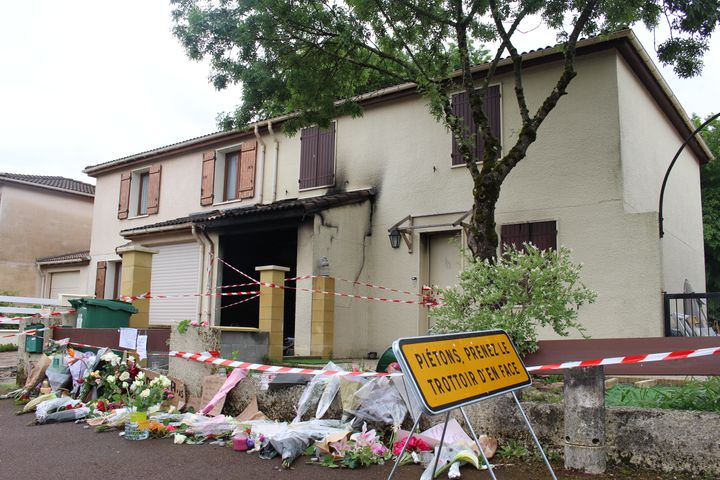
{"x":64,"y":282}
{"x":175,"y":271}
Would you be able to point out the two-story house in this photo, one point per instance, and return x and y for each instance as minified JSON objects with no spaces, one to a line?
{"x":324,"y":200}
{"x":42,"y":218}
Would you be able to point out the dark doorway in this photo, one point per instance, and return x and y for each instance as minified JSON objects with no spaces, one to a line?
{"x":246,"y":251}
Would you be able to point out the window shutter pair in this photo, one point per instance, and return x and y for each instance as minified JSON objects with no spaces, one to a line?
{"x":246,"y":174}
{"x":317,"y":157}
{"x":153,"y":199}
{"x":461,"y":107}
{"x":541,"y":234}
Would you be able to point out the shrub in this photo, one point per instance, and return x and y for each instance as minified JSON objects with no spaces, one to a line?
{"x":518,"y":292}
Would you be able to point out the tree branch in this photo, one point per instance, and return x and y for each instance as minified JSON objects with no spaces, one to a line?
{"x":516,"y":58}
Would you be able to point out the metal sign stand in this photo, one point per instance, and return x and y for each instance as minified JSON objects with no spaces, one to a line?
{"x":477,"y":442}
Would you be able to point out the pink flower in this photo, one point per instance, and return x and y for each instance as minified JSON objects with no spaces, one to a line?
{"x":170,"y":428}
{"x":365,"y":438}
{"x":379,"y":449}
{"x":204,"y":324}
{"x":194,"y":323}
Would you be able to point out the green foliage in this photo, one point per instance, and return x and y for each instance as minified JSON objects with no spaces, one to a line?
{"x":516,"y":450}
{"x":521,"y":291}
{"x":183,"y":326}
{"x":695,"y":395}
{"x":313,"y":58}
{"x":8,"y":347}
{"x":710,"y":182}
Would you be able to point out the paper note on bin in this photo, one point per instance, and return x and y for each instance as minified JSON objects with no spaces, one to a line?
{"x":128,"y":338}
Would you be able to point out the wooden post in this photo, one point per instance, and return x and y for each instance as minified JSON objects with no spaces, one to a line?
{"x":585,"y":419}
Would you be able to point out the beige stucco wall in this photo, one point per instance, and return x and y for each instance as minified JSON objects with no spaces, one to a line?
{"x":648,"y":144}
{"x":37,"y":222}
{"x":573,"y":174}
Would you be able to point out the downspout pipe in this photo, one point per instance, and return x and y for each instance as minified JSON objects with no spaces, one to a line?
{"x":672,"y":164}
{"x":261,"y":169}
{"x":275,"y":162}
{"x":203,"y":298}
{"x":210,"y":304}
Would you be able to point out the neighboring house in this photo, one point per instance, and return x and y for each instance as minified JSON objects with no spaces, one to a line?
{"x":64,"y":274}
{"x":325,"y":199}
{"x":43,"y":216}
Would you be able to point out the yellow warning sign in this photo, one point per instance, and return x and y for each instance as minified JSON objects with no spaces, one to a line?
{"x":449,"y":371}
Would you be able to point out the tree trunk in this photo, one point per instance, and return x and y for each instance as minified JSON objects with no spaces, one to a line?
{"x":482,"y":238}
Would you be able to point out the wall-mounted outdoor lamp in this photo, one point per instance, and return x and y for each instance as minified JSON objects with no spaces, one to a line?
{"x":394,"y":238}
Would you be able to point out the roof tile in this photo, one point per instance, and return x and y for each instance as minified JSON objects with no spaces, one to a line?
{"x":61,"y":183}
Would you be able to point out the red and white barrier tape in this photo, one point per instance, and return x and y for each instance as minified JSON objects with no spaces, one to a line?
{"x":379,"y":287}
{"x":431,"y":303}
{"x":649,"y":357}
{"x":255,"y":282}
{"x":274,"y":368}
{"x":149,"y":295}
{"x":241,"y":301}
{"x":28,"y":332}
{"x":16,"y":320}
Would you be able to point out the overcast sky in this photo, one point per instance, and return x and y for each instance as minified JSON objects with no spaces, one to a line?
{"x":87,"y":81}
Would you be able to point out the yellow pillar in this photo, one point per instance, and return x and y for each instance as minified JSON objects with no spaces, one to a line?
{"x":272,"y":308}
{"x":323,"y":318}
{"x":135,"y":279}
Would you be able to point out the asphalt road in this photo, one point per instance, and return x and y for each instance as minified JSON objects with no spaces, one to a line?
{"x":70,"y":451}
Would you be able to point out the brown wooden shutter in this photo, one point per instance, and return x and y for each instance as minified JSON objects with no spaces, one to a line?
{"x":541,"y":234}
{"x":544,"y":235}
{"x":326,"y":157}
{"x":100,"y":279}
{"x":248,"y":160}
{"x":514,"y":235}
{"x":461,"y":107}
{"x":153,"y":200}
{"x":207,"y":187}
{"x":124,"y":203}
{"x":308,"y":156}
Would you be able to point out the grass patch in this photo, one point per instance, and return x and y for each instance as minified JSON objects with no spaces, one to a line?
{"x":695,"y":395}
{"x":8,"y":347}
{"x":306,"y":361}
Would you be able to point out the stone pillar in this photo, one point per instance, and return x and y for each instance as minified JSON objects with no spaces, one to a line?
{"x":323,"y":317}
{"x":585,"y":419}
{"x":272,"y":308}
{"x":135,"y":279}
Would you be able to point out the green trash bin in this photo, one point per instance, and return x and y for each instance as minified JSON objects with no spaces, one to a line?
{"x":34,"y":342}
{"x":96,"y":313}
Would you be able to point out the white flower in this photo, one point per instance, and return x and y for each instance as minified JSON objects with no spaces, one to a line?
{"x":140,"y":376}
{"x":131,"y":359}
{"x":110,"y":379}
{"x":124,"y":376}
{"x":165,"y":381}
{"x":178,"y":439}
{"x":145,"y":393}
{"x":125,"y":385}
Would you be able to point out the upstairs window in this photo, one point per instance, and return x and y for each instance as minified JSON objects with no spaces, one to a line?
{"x":317,"y":157}
{"x":229,"y":174}
{"x":142,"y":202}
{"x":139,"y":192}
{"x":461,"y":107}
{"x":541,"y":234}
